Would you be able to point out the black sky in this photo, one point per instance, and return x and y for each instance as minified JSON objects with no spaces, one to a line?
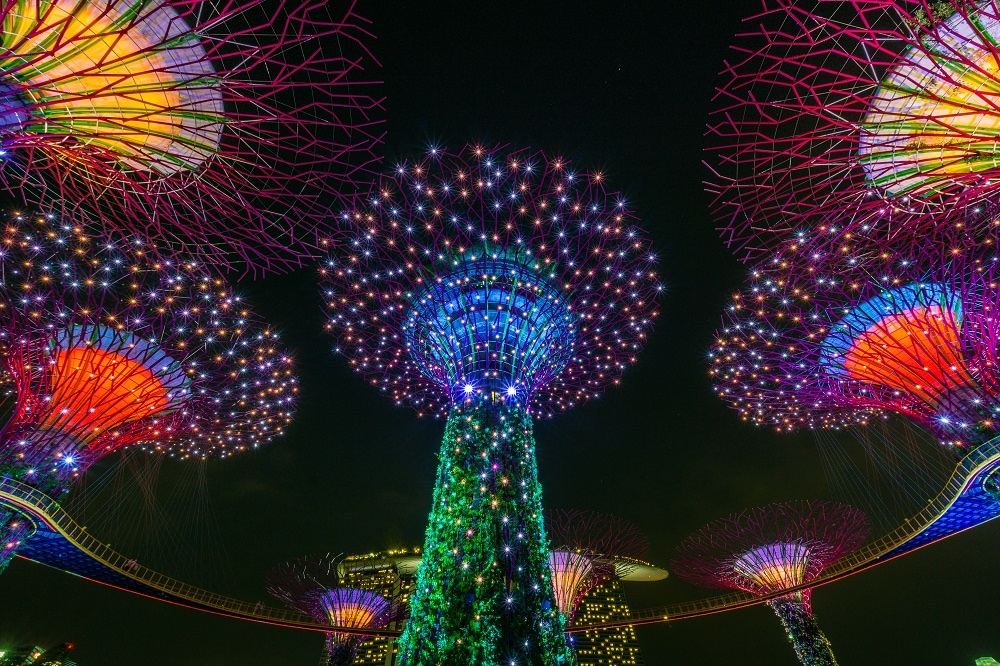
{"x":620,"y":86}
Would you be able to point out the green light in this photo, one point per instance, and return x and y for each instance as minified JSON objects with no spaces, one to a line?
{"x":483,"y":592}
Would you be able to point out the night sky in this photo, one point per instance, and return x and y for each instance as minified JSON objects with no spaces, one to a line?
{"x":624,"y":87}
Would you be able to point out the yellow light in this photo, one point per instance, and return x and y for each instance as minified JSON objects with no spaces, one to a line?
{"x":92,"y":72}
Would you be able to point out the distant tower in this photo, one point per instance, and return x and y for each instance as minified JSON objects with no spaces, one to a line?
{"x":319,"y":586}
{"x":173,"y":119}
{"x":772,"y":548}
{"x":108,"y":347}
{"x":588,"y":549}
{"x":489,"y":288}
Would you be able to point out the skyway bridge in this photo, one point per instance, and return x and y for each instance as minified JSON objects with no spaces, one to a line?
{"x":61,"y":543}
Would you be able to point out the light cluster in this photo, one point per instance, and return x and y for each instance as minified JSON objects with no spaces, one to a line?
{"x":317,"y":585}
{"x":773,"y":548}
{"x":825,"y":339}
{"x":864,"y":111}
{"x":163,"y":117}
{"x":108,"y":346}
{"x":493,"y":273}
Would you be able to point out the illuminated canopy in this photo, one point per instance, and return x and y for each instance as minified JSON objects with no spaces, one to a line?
{"x":126,"y":76}
{"x":165,"y":119}
{"x":857,"y":113}
{"x":935,"y":115}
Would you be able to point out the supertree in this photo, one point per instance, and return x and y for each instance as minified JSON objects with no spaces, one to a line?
{"x":320,"y":586}
{"x":878,"y":112}
{"x":108,"y":347}
{"x":773,"y":548}
{"x":165,"y":117}
{"x":489,"y":288}
{"x":827,"y":339}
{"x":588,"y":549}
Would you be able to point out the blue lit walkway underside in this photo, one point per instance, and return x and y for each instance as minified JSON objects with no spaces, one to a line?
{"x":62,"y":544}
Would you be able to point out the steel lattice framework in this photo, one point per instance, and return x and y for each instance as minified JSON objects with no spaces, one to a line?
{"x":489,"y":286}
{"x":772,"y":548}
{"x":317,"y":585}
{"x":877,"y":112}
{"x":825,"y":339}
{"x":588,"y":549}
{"x":224,"y":127}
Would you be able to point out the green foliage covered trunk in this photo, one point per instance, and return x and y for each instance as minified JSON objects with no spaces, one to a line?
{"x":811,"y":646}
{"x":483,"y":592}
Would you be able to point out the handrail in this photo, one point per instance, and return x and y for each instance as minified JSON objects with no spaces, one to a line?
{"x":41,"y":506}
{"x":987,"y":454}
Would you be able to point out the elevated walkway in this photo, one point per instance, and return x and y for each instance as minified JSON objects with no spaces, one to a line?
{"x":62,"y":544}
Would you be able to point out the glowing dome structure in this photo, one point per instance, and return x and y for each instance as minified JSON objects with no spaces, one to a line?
{"x":107,"y":347}
{"x":588,"y":549}
{"x":319,"y":586}
{"x":161,"y":117}
{"x":489,"y":287}
{"x":773,"y":548}
{"x":825,"y":340}
{"x":863,"y":111}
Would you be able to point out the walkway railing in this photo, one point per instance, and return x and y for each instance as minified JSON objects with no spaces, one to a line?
{"x":42,"y":507}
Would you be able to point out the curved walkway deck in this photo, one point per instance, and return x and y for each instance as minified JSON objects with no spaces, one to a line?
{"x":62,"y":544}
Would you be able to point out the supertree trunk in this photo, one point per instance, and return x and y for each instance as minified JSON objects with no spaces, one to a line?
{"x":483,"y":592}
{"x":811,"y":646}
{"x":340,"y":651}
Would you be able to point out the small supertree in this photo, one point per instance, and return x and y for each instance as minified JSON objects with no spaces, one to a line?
{"x":489,"y":288}
{"x":320,"y":586}
{"x":108,"y":347}
{"x":827,"y":339}
{"x":772,"y":548}
{"x":225,"y":127}
{"x":589,"y":549}
{"x":857,"y":109}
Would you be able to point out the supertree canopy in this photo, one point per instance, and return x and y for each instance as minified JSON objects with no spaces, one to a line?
{"x":108,"y":347}
{"x":319,"y":586}
{"x":773,"y":548}
{"x":825,"y":340}
{"x":863,"y":110}
{"x":588,"y":549}
{"x":489,"y":287}
{"x":163,"y":117}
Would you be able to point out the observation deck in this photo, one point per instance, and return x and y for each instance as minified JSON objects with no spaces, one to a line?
{"x":62,"y":544}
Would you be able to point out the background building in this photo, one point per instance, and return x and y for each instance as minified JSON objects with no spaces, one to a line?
{"x":605,"y":603}
{"x":34,"y":655}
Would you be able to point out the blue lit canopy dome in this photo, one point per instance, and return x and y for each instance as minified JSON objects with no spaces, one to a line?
{"x":507,"y":276}
{"x":495,"y":326}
